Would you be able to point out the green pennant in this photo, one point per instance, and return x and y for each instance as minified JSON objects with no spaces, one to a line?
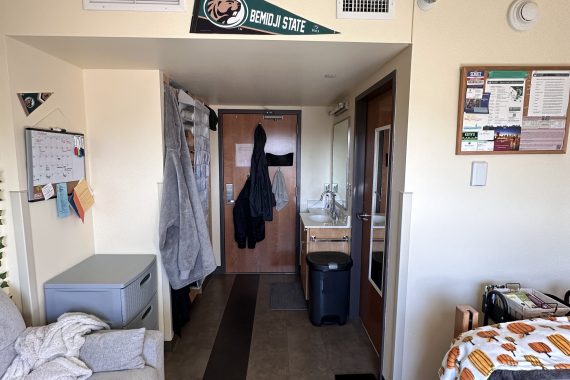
{"x":250,"y":17}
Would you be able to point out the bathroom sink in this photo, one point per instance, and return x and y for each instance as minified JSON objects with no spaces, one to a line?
{"x":379,"y":220}
{"x":320,"y":218}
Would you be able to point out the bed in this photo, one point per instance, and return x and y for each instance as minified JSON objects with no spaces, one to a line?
{"x":531,"y":349}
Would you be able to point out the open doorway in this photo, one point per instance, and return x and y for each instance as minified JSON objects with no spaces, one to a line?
{"x":374,"y":135}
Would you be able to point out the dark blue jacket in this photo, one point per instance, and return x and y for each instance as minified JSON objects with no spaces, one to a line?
{"x":261,"y":198}
{"x":247,"y":229}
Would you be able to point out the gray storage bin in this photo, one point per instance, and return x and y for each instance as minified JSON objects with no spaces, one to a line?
{"x":116,"y":288}
{"x":147,"y":318}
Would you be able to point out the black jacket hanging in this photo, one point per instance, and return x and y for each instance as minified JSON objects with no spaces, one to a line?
{"x":261,"y":198}
{"x":247,"y":230}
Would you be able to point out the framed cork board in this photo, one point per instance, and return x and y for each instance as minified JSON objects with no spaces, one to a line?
{"x":513,"y":110}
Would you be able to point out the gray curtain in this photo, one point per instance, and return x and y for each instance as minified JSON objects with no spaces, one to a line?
{"x":184,"y":240}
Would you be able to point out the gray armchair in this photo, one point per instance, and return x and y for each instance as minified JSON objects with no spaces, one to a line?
{"x":12,"y":324}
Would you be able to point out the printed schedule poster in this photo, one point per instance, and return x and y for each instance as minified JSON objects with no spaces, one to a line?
{"x":513,"y":110}
{"x":493,"y":111}
{"x":549,"y":91}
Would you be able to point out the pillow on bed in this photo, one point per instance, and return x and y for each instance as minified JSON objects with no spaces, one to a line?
{"x":113,"y":350}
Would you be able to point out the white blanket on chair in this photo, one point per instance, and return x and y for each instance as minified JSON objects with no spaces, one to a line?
{"x":51,"y":352}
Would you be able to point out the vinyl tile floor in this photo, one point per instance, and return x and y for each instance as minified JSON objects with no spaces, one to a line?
{"x":279,"y":344}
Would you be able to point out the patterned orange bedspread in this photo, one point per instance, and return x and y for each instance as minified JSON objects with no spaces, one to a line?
{"x":520,"y":345}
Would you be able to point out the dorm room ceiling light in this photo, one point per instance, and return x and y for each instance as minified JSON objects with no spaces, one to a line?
{"x":425,"y":5}
{"x":523,"y":14}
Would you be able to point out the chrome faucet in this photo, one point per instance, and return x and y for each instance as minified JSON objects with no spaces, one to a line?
{"x":332,"y":204}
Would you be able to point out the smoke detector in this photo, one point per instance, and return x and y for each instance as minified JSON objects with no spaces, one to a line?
{"x":523,"y":14}
{"x":426,"y":5}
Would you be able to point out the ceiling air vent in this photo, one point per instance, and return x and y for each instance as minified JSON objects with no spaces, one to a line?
{"x":365,"y":9}
{"x":135,"y":5}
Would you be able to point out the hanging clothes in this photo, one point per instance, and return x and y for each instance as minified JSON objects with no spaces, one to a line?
{"x":279,"y":190}
{"x":202,"y":154}
{"x":213,"y":118}
{"x":261,"y":198}
{"x":248,"y":230}
{"x":196,"y":116}
{"x":181,"y":306}
{"x":184,"y":240}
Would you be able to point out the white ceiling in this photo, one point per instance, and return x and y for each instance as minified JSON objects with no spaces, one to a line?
{"x":233,"y":72}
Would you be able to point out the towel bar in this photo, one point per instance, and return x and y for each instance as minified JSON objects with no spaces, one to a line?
{"x":330,"y":240}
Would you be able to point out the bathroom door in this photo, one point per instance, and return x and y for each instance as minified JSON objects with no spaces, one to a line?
{"x":277,"y":252}
{"x":377,"y":145}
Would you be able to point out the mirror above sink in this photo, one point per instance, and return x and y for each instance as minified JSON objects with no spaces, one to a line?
{"x":340,"y":161}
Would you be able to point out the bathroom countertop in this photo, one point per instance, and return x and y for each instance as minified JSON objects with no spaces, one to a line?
{"x":309,"y":223}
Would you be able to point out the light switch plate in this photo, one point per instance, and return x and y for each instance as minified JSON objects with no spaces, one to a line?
{"x":478,"y":173}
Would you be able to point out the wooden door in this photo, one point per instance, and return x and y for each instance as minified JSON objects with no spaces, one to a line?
{"x":379,"y":114}
{"x":276,"y":253}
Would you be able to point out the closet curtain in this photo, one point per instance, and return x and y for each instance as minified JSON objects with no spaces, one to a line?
{"x":184,"y":240}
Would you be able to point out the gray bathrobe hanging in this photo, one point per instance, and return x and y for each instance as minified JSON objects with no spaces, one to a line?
{"x":184,"y":240}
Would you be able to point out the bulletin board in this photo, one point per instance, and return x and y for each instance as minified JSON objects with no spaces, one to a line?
{"x":513,"y":110}
{"x":52,"y":157}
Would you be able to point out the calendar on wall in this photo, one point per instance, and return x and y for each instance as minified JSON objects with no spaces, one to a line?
{"x":53,"y":157}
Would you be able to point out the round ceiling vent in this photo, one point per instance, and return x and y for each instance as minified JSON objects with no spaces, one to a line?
{"x":523,"y":14}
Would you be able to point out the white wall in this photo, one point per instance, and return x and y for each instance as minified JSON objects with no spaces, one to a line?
{"x":124,"y":125}
{"x":8,"y":170}
{"x":66,"y":17}
{"x":57,"y":243}
{"x":515,"y":228}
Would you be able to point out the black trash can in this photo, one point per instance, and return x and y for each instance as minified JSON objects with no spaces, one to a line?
{"x":329,"y":287}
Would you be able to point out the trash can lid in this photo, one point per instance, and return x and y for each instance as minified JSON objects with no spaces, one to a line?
{"x":329,"y":261}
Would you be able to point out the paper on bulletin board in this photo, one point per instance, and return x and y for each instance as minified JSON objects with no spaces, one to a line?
{"x":542,"y":139}
{"x":82,"y":199}
{"x":84,"y":195}
{"x":476,"y":100}
{"x":243,"y":155}
{"x":506,"y":101}
{"x":493,"y":111}
{"x":62,"y":203}
{"x":48,"y":191}
{"x":549,"y":92}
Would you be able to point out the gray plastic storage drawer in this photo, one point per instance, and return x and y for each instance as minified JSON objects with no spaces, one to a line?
{"x":116,"y":288}
{"x":147,"y":318}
